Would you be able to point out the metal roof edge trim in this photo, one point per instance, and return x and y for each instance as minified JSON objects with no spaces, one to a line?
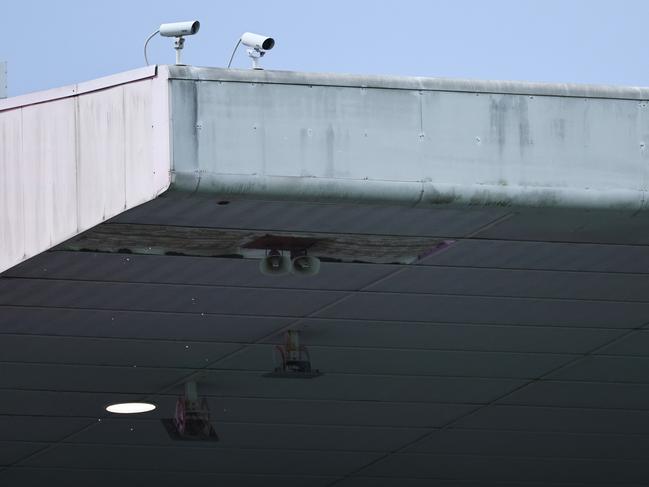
{"x":408,"y":193}
{"x":79,"y":88}
{"x":408,"y":83}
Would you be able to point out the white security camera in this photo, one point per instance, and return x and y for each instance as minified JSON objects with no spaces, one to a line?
{"x":257,"y":45}
{"x":257,"y":41}
{"x":179,"y":29}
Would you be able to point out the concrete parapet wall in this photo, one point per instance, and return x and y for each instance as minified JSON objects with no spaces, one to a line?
{"x":411,"y":141}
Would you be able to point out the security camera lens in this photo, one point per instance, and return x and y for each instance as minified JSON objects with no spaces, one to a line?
{"x":268,"y":44}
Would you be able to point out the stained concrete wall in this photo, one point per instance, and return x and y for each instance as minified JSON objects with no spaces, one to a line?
{"x":409,"y":140}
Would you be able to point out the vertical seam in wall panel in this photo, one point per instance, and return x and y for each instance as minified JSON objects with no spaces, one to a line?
{"x":170,"y":122}
{"x":645,"y":179}
{"x":77,"y":160}
{"x":172,"y":131}
{"x":124,"y":149}
{"x":421,"y":113}
{"x":21,"y":184}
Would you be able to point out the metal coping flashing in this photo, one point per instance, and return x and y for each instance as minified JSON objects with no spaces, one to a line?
{"x":193,"y":73}
{"x":79,"y":88}
{"x":408,"y":83}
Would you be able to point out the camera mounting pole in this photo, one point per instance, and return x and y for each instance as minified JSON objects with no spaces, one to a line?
{"x":255,"y":54}
{"x":178,"y":46}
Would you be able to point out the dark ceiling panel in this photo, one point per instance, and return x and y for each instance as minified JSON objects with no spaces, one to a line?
{"x":136,"y":325}
{"x":84,"y":378}
{"x":201,"y":459}
{"x":91,"y":406}
{"x":533,"y":445}
{"x":569,"y":420}
{"x":489,"y":468}
{"x":162,"y":297}
{"x":607,"y":369}
{"x":456,"y":336}
{"x":11,"y":452}
{"x":17,"y":402}
{"x":635,"y":344}
{"x":579,"y":226}
{"x":583,"y":394}
{"x":134,"y":431}
{"x":108,"y":351}
{"x":38,"y":429}
{"x":497,"y":310}
{"x":406,"y":362}
{"x":359,"y":388}
{"x":506,"y":254}
{"x":109,"y":477}
{"x":518,"y":283}
{"x":439,"y":482}
{"x":457,"y":352}
{"x":89,"y":266}
{"x":331,"y":412}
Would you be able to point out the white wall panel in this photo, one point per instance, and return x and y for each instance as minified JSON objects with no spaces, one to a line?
{"x":49,"y":174}
{"x":76,"y":156}
{"x":12,"y":229}
{"x":102,"y":132}
{"x":138,"y":141}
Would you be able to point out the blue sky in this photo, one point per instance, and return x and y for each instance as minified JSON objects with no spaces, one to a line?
{"x":53,"y":43}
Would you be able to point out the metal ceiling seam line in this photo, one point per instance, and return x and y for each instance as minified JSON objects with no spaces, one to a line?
{"x":312,"y":400}
{"x":14,"y":273}
{"x":464,"y":294}
{"x":530,"y":325}
{"x":314,"y":450}
{"x":154,"y":421}
{"x":435,"y":263}
{"x":254,"y":371}
{"x":360,"y":401}
{"x":269,"y":475}
{"x":314,"y":347}
{"x":199,"y":446}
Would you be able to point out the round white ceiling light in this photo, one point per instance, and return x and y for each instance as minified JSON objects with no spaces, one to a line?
{"x":130,"y":407}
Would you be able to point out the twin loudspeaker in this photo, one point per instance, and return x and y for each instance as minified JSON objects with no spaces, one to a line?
{"x":275,"y":264}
